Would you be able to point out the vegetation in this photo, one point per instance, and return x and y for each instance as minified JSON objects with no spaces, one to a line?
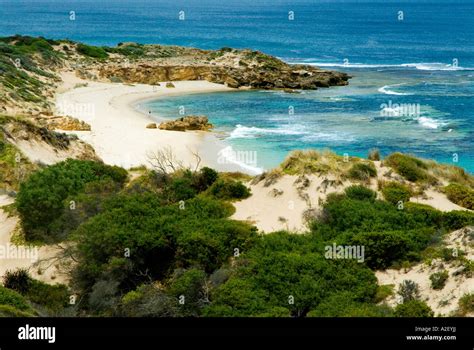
{"x":438,"y":279}
{"x":360,"y":193}
{"x":92,"y":51}
{"x":411,"y":168}
{"x":466,"y":304}
{"x":374,"y":154}
{"x":413,"y":308}
{"x":362,"y":171}
{"x":461,"y":195}
{"x":395,"y":192}
{"x":41,"y":201}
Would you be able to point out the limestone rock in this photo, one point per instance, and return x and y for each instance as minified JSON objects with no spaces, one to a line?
{"x":187,"y":123}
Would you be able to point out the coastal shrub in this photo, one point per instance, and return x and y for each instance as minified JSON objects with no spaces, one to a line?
{"x":343,"y":305}
{"x":460,"y":194}
{"x":362,"y":171}
{"x":395,"y":192}
{"x":190,"y":285}
{"x":360,"y":193}
{"x":466,"y":304}
{"x":408,"y":291}
{"x":438,"y":279}
{"x":411,"y":168}
{"x":456,"y":219}
{"x":413,"y":308}
{"x":18,"y":280}
{"x":229,"y":189}
{"x":383,"y":292}
{"x":205,"y":178}
{"x":382,"y":248}
{"x":158,"y":238}
{"x":10,"y":311}
{"x":374,"y":154}
{"x":41,"y":199}
{"x":92,"y":51}
{"x":14,"y":299}
{"x":149,"y":301}
{"x":52,"y":297}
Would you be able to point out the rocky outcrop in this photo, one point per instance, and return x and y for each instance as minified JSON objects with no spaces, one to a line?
{"x":67,"y":124}
{"x":284,"y":77}
{"x":151,"y":126}
{"x":187,"y":123}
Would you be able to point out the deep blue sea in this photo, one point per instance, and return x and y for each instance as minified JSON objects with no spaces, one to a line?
{"x":412,"y":64}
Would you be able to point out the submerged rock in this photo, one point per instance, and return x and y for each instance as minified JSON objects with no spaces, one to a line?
{"x":187,"y":123}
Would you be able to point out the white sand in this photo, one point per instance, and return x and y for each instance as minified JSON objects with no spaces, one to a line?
{"x":40,"y":261}
{"x":118,"y":131}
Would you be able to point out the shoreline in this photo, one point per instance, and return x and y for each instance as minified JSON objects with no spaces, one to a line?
{"x":118,"y":128}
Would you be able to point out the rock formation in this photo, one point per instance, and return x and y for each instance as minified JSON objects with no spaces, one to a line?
{"x":187,"y":123}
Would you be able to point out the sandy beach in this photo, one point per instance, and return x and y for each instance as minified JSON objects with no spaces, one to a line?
{"x":118,"y":130}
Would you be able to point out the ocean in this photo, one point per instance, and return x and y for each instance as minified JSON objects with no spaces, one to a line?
{"x":411,"y":62}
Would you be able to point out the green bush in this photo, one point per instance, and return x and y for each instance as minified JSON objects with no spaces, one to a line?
{"x":18,"y":280}
{"x":466,"y":304}
{"x":229,"y":189}
{"x":460,"y":195}
{"x":92,"y":51}
{"x":438,"y":279}
{"x":343,"y":305}
{"x":10,"y":311}
{"x":360,"y":193}
{"x":413,"y":308}
{"x":411,"y":168}
{"x":374,"y":154}
{"x":362,"y":171}
{"x":41,"y":199}
{"x":52,"y":297}
{"x":159,"y":238}
{"x":457,"y":219}
{"x":408,"y":291}
{"x":14,"y":299}
{"x":395,"y":192}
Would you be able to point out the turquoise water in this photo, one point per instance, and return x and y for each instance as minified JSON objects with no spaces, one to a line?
{"x":424,"y":62}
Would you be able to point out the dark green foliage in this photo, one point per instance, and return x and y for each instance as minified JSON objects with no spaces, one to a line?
{"x":362,"y":171}
{"x":382,"y":248}
{"x":413,"y":308}
{"x":360,"y":193}
{"x":461,"y":195}
{"x":466,"y":304}
{"x":41,"y":199}
{"x":53,"y":298}
{"x":92,"y":51}
{"x":18,"y":280}
{"x":14,"y":299}
{"x":284,"y":270}
{"x":189,"y":285}
{"x":408,"y":290}
{"x":229,"y":189}
{"x":149,"y":301}
{"x":438,"y":279}
{"x":411,"y":168}
{"x":395,"y":192}
{"x":457,"y":219}
{"x":158,"y":238}
{"x":343,"y":305}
